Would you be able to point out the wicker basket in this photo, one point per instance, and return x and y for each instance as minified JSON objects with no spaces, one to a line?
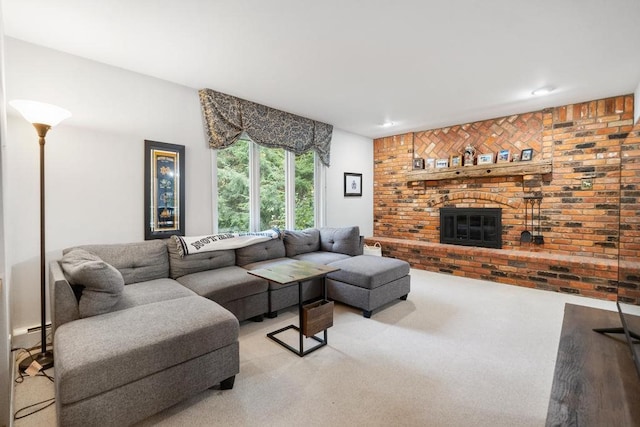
{"x":317,"y":317}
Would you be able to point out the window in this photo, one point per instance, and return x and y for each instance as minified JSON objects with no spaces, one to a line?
{"x":233,"y":187}
{"x":304,"y":190}
{"x":257,"y":188}
{"x":272,"y":188}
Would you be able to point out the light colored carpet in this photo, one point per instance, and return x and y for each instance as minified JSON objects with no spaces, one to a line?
{"x":458,"y":352}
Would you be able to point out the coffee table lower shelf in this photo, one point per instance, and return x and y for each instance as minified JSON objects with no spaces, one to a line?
{"x":299,"y":351}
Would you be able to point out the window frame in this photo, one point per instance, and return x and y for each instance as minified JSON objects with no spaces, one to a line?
{"x":319,"y":183}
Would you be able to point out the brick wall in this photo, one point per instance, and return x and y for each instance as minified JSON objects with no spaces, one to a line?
{"x":629,"y":273}
{"x":585,"y":141}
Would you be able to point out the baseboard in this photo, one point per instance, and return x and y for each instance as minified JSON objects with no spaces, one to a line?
{"x":29,"y":337}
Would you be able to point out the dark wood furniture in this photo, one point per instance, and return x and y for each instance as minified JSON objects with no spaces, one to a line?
{"x":595,"y":381}
{"x":298,"y":271}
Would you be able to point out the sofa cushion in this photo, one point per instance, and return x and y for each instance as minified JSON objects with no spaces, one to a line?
{"x":103,"y":284}
{"x":138,"y":262}
{"x":224,"y":284}
{"x":194,"y":263}
{"x":266,"y":263}
{"x":367,"y":271}
{"x":260,"y":251}
{"x":136,"y":343}
{"x":321,"y":257}
{"x":344,"y":240}
{"x":301,"y":241}
{"x":151,"y":291}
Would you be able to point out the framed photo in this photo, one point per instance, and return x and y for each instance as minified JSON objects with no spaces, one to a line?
{"x":526,"y":155}
{"x":503,"y":156}
{"x":418,"y":163}
{"x":485,"y":159}
{"x":431,"y":163}
{"x":442,"y":163}
{"x":455,"y":161}
{"x":163,"y":190}
{"x":352,"y":184}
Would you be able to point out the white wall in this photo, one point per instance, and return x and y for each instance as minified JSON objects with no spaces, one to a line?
{"x":350,"y":153}
{"x":94,"y":162}
{"x":5,"y":331}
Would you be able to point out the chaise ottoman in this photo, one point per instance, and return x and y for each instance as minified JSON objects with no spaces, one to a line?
{"x":118,"y":368}
{"x":368,"y":282}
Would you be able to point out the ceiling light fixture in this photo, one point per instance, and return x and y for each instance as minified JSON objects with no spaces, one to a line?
{"x":546,"y":90}
{"x":388,"y":124}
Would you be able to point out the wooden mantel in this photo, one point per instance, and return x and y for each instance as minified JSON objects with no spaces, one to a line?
{"x":540,"y":167}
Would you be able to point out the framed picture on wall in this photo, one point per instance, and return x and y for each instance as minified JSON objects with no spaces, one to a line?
{"x":352,"y":184}
{"x":163,"y":190}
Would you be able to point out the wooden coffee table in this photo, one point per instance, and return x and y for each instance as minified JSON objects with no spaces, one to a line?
{"x":290,"y":272}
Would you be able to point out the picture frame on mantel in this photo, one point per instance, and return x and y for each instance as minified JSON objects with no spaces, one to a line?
{"x":503,"y":156}
{"x":485,"y":159}
{"x":442,"y":163}
{"x":526,"y":155}
{"x":352,"y":184}
{"x":164,"y":187}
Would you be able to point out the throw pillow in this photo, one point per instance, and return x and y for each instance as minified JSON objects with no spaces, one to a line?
{"x":103,"y":283}
{"x":301,"y":242}
{"x":343,"y":240}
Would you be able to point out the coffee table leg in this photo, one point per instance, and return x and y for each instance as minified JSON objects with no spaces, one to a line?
{"x":301,"y":353}
{"x":324,"y":285}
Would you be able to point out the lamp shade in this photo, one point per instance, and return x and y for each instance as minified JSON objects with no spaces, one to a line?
{"x":40,"y":112}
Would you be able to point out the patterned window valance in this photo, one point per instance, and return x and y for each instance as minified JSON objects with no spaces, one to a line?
{"x":227,"y":117}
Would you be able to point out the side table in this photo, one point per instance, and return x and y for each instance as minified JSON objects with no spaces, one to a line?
{"x":296,"y":271}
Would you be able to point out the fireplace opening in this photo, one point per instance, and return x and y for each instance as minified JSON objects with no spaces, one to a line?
{"x":471,"y":227}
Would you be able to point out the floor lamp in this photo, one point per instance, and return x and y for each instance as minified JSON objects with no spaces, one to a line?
{"x":43,"y":117}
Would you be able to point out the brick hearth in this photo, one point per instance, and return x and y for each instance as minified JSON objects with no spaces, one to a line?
{"x":591,"y":277}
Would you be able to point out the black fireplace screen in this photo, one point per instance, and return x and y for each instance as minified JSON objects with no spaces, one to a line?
{"x":471,"y":227}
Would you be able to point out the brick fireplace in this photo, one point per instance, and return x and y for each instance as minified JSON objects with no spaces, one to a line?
{"x":583,"y":216}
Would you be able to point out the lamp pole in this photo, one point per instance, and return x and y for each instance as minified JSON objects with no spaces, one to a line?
{"x":45,"y":358}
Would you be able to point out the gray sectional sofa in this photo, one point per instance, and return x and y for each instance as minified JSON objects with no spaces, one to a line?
{"x":139,"y":327}
{"x":128,"y":340}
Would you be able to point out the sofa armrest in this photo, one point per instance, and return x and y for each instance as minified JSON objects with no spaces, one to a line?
{"x":64,"y":305}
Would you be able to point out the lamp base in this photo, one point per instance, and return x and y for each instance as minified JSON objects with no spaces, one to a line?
{"x":44,"y":359}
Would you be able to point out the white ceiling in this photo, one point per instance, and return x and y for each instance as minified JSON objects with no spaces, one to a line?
{"x":356,"y":64}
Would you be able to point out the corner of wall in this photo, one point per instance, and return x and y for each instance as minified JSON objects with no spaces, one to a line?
{"x":6,"y":383}
{"x":636,"y":105}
